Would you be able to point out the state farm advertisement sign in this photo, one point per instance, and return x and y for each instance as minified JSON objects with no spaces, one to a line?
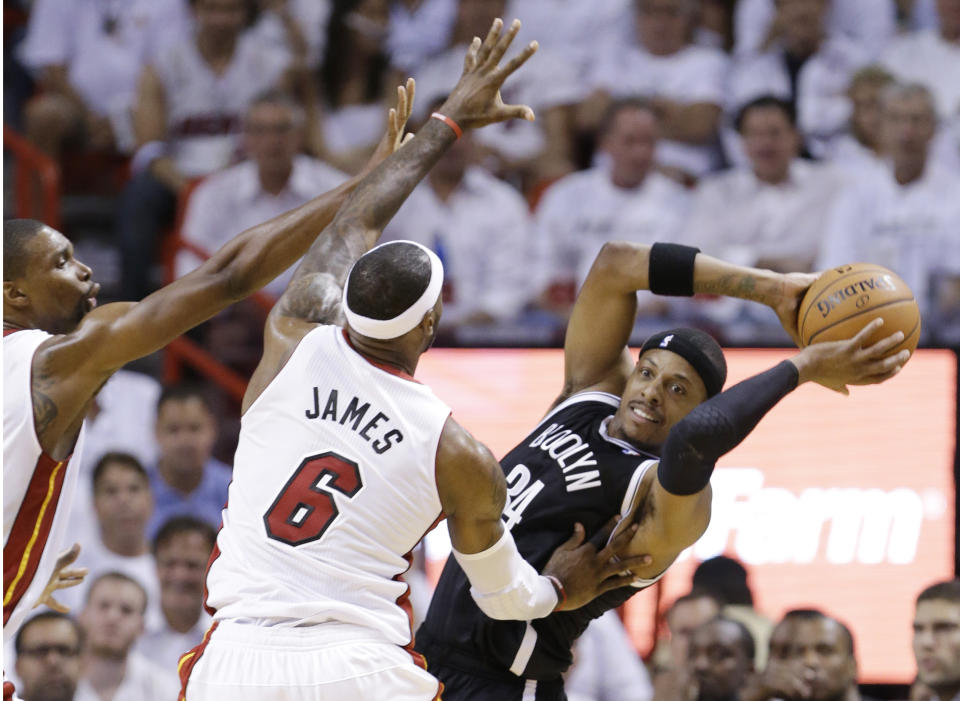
{"x":843,"y":503}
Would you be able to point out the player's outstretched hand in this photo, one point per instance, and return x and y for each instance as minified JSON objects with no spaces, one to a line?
{"x":787,"y":303}
{"x":586,"y":573}
{"x":397,"y":118}
{"x":836,"y":364}
{"x":62,"y":578}
{"x":475,"y":100}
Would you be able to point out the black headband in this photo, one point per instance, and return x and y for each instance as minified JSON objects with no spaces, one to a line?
{"x":683,"y":343}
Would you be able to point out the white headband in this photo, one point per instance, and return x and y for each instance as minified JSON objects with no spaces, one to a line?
{"x":405,"y":321}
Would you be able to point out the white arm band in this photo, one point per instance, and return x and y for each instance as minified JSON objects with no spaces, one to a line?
{"x":504,"y":585}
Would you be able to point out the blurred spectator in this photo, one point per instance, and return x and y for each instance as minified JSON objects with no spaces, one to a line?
{"x":112,"y":620}
{"x":347,"y":120}
{"x":181,"y":549}
{"x":187,"y":119}
{"x":907,"y":216}
{"x":86,"y":56}
{"x":275,"y":178}
{"x":296,"y":27}
{"x":727,"y":578}
{"x":606,"y":666}
{"x":861,"y":144}
{"x":480,"y":228}
{"x":519,"y":150}
{"x":814,"y":659}
{"x":187,"y":480}
{"x":932,"y":58}
{"x":870,"y":23}
{"x":685,"y":83}
{"x":48,"y":657}
{"x":805,"y":66}
{"x":721,"y":660}
{"x":671,"y":670}
{"x":121,"y":419}
{"x":123,"y":506}
{"x":419,"y":29}
{"x":936,"y":639}
{"x":772,"y":213}
{"x":626,"y":200}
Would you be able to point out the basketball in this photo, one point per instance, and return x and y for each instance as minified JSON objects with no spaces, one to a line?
{"x":845,"y":299}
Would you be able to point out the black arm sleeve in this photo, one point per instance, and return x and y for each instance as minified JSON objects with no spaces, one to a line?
{"x":717,"y":426}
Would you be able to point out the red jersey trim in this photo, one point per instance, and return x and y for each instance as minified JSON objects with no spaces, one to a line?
{"x":189,"y":660}
{"x":31,"y":528}
{"x":7,"y":332}
{"x":382,"y":366}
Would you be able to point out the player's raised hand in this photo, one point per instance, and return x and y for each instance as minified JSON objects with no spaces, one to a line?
{"x":397,"y":118}
{"x":475,"y":100}
{"x":587,"y":573}
{"x":793,"y":287}
{"x":62,"y":578}
{"x":836,"y":364}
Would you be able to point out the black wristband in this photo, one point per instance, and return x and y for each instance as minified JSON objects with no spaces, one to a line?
{"x":670,"y":269}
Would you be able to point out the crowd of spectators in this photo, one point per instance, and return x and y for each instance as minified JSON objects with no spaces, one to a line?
{"x":792,"y":134}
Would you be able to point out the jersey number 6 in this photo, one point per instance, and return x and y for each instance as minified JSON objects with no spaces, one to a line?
{"x":305,"y":508}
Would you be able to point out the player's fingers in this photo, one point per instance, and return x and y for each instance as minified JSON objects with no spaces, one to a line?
{"x":514,"y":63}
{"x":884,"y":345}
{"x":503,"y":44}
{"x":489,"y":42}
{"x":401,"y":100}
{"x":626,"y":565}
{"x":619,"y":542}
{"x":407,"y":138}
{"x":68,"y":556}
{"x":860,"y":339}
{"x":470,"y":60}
{"x":623,"y":580}
{"x":411,"y":93}
{"x":515,"y":112}
{"x":575,"y":540}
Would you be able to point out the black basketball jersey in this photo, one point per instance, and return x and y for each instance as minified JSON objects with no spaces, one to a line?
{"x":568,"y":470}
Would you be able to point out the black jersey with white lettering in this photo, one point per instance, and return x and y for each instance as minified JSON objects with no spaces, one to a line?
{"x":568,"y":470}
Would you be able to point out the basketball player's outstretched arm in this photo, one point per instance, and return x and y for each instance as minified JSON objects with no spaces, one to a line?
{"x":595,"y":353}
{"x":680,"y":495}
{"x":69,"y":369}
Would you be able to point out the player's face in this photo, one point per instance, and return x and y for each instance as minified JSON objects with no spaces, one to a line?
{"x":907,"y":127}
{"x":49,"y":664}
{"x":663,"y":25}
{"x":821,"y":654}
{"x":181,"y":562}
{"x":936,"y":642}
{"x":185,"y":434}
{"x":631,"y":142}
{"x":770,"y":142}
{"x":718,"y":660}
{"x":662,"y":390}
{"x":113,"y":617}
{"x":59,"y":288}
{"x":122,"y":500}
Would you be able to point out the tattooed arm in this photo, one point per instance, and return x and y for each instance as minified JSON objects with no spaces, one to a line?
{"x":595,"y":353}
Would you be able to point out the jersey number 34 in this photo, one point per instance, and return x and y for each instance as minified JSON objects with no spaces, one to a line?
{"x":305,"y":508}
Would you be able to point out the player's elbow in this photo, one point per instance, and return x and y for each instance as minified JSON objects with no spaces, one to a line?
{"x":618,"y":260}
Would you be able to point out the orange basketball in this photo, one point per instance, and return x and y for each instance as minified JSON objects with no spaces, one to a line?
{"x":845,"y":299}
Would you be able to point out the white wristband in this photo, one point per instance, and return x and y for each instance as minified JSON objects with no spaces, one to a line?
{"x":504,"y":585}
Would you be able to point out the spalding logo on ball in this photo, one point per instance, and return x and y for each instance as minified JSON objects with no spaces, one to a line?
{"x":845,"y":299}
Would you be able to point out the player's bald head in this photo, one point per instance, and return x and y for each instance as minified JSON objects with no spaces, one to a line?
{"x":17,"y":234}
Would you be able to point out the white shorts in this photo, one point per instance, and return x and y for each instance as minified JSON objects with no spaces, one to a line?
{"x":325,"y":662}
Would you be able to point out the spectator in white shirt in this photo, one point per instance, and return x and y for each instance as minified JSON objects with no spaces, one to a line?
{"x":931,"y":57}
{"x":772,"y":213}
{"x":860,"y":145}
{"x":112,"y":619}
{"x":624,"y":200}
{"x":685,"y":82}
{"x":274,"y":179}
{"x":907,"y":217}
{"x":187,"y":119}
{"x":805,"y":66}
{"x":479,"y":226}
{"x":87,"y":56}
{"x":181,"y":549}
{"x":48,"y":657}
{"x":606,"y":666}
{"x":520,"y":151}
{"x":419,"y":29}
{"x":297,"y":28}
{"x":123,"y":504}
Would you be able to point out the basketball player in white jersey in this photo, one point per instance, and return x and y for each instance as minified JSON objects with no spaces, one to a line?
{"x":345,"y":462}
{"x":59,"y":348}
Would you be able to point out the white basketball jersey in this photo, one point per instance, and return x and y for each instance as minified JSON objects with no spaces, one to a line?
{"x":37,"y":490}
{"x":333,"y":485}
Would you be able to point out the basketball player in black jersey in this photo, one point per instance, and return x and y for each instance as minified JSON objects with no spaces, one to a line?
{"x":637,"y":438}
